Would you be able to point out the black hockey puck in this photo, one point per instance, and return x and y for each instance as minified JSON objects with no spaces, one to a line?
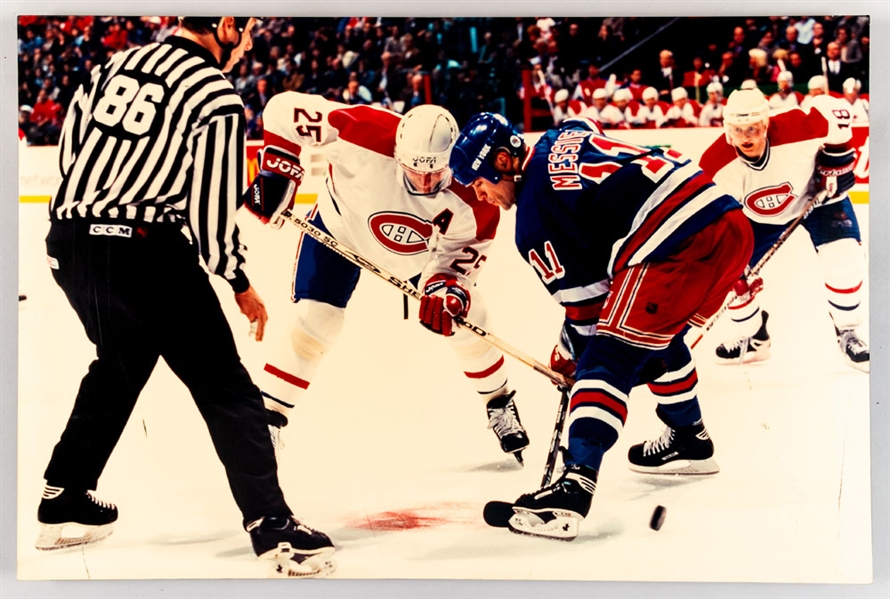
{"x":658,"y":517}
{"x":22,"y":297}
{"x":497,"y":513}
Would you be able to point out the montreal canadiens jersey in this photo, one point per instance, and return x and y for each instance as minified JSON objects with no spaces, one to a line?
{"x":592,"y":206}
{"x":366,"y":206}
{"x":775,"y":189}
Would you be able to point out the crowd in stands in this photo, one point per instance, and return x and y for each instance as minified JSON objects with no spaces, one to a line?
{"x":626,"y":72}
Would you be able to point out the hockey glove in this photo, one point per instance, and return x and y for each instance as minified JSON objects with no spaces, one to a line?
{"x":561,"y":359}
{"x":275,"y":186}
{"x":745,"y":291}
{"x":834,"y":169}
{"x":443,"y":299}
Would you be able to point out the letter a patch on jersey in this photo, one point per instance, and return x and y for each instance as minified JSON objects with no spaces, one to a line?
{"x":549,"y":269}
{"x":400,"y":233}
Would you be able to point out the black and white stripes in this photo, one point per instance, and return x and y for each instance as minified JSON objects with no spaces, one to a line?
{"x":157,"y":135}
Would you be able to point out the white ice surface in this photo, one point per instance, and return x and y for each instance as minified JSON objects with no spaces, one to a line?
{"x":389,"y":452}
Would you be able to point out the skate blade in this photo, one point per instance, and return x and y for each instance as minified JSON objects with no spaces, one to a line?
{"x":562,"y":525}
{"x":298,"y":564}
{"x":70,"y":534}
{"x":684,"y":467}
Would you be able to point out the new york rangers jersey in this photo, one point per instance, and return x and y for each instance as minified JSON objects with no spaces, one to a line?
{"x":591,"y":206}
{"x":366,"y":206}
{"x":774,"y":189}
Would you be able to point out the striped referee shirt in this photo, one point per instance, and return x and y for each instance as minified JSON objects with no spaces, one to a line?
{"x":157,"y":135}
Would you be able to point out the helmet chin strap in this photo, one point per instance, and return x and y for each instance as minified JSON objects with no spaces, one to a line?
{"x":227,"y":49}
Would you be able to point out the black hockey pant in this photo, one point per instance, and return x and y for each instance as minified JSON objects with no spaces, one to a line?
{"x":140,"y":298}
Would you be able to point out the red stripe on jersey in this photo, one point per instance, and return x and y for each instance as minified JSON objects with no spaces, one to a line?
{"x":676,"y":387}
{"x":366,"y":127}
{"x":487,"y":215}
{"x":796,"y":125}
{"x":488,"y":371}
{"x":270,"y":139}
{"x":589,"y":312}
{"x":598,"y":397}
{"x":287,"y":377}
{"x":719,"y":154}
{"x":851,"y":290}
{"x":658,"y":217}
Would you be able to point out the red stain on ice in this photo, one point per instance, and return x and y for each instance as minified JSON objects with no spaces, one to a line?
{"x":414,"y":518}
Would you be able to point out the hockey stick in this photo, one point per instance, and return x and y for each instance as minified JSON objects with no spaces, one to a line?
{"x":498,"y":513}
{"x":409,"y":290}
{"x":813,"y":202}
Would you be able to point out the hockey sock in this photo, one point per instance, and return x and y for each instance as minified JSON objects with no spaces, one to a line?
{"x":842,"y":263}
{"x":482,"y":363}
{"x":296,"y":353}
{"x":683,"y":413}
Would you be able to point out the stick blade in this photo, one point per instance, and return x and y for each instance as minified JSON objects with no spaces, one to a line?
{"x":497,"y":513}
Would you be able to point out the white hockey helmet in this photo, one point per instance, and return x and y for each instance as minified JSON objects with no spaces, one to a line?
{"x":715,"y":87}
{"x":745,"y":107}
{"x":650,"y":93}
{"x":424,"y":139}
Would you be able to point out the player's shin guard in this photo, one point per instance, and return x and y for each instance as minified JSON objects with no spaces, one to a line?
{"x":296,"y":354}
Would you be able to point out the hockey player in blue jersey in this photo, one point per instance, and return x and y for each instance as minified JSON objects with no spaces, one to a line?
{"x":636,"y":244}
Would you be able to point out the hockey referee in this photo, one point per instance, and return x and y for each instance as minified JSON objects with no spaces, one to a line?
{"x":153,"y":144}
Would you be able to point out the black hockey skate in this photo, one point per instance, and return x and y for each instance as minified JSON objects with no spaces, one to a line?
{"x":854,"y":348}
{"x":70,"y":517}
{"x":297,"y":550}
{"x":503,"y":418}
{"x":747,"y":349}
{"x":276,"y":421}
{"x":556,"y":511}
{"x":679,"y":450}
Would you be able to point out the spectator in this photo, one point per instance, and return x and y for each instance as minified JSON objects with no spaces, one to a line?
{"x":817,"y":86}
{"x":622,"y":99}
{"x":650,"y":115}
{"x":851,"y":53}
{"x":667,"y":78}
{"x":355,"y":92}
{"x":759,"y":69}
{"x":836,"y":70}
{"x":699,"y":76}
{"x":805,"y":30}
{"x":245,"y":81}
{"x":635,"y":84}
{"x":819,"y":42}
{"x":711,"y":114}
{"x":586,"y":87}
{"x":259,"y":97}
{"x":414,"y":94}
{"x":858,"y":105}
{"x":785,"y":97}
{"x":681,"y":113}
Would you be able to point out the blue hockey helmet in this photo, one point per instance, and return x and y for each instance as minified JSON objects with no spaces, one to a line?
{"x":481,"y":138}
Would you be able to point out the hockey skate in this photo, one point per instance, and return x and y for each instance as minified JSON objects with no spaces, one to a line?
{"x":503,"y":418}
{"x":746,"y":349}
{"x":679,"y":450}
{"x":555,"y":512}
{"x":69,"y":518}
{"x":854,"y":348}
{"x":277,"y":421}
{"x":297,"y":550}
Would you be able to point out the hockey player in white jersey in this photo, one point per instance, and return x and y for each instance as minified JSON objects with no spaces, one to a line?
{"x":389,"y":197}
{"x":711,"y":114}
{"x":774,"y":165}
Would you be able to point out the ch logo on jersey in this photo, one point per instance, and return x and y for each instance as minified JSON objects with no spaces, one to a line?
{"x":401,"y":233}
{"x":769,"y":201}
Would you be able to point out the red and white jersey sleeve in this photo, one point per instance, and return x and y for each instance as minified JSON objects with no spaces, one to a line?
{"x":775,"y":189}
{"x":365,"y":205}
